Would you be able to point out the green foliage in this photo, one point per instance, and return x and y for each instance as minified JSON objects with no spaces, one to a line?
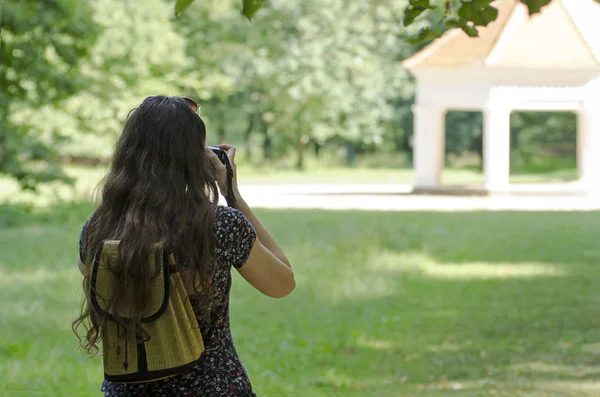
{"x":181,"y":5}
{"x":304,"y":75}
{"x":464,"y":14}
{"x":535,"y":6}
{"x":414,"y":9}
{"x":138,"y":53}
{"x":41,"y":46}
{"x":319,"y":89}
{"x":303,"y":72}
{"x":533,"y":140}
{"x":540,"y":141}
{"x":464,"y":132}
{"x":249,"y":7}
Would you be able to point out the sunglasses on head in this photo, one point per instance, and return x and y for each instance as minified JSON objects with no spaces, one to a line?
{"x":192,"y":104}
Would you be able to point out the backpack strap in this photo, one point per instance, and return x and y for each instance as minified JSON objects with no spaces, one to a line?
{"x":172,"y":263}
{"x":166,"y":267}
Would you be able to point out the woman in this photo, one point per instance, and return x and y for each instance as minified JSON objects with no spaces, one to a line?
{"x":162,"y":187}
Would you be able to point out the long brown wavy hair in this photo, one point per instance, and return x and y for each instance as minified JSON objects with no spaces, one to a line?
{"x":159,"y":189}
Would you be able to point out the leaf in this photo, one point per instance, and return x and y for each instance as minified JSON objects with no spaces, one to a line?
{"x":479,"y":12}
{"x":414,"y":9}
{"x":250,"y":7}
{"x":485,"y":16}
{"x":181,"y":5}
{"x":470,"y":30}
{"x":424,"y":34}
{"x":419,"y":3}
{"x":410,"y":14}
{"x":491,"y":13}
{"x":535,"y":6}
{"x":452,"y":23}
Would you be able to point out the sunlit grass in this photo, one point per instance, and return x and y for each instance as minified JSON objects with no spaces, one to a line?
{"x":33,"y":278}
{"x":498,"y":304}
{"x":424,"y":265}
{"x":87,"y":178}
{"x":567,"y":388}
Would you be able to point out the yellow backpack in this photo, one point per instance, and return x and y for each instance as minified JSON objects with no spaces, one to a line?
{"x":175,"y":342}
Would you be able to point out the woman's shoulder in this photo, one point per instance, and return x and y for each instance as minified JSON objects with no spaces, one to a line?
{"x":235,"y":234}
{"x":229,"y":216}
{"x":232,"y":224}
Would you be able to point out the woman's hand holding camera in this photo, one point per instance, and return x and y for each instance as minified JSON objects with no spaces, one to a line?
{"x":221,"y":170}
{"x":266,"y":268}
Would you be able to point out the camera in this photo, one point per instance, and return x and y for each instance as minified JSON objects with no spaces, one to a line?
{"x":222,"y":155}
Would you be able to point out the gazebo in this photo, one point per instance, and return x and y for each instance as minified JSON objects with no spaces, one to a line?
{"x":547,"y":62}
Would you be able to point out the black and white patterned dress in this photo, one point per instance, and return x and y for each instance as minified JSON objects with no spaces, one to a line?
{"x":219,"y":373}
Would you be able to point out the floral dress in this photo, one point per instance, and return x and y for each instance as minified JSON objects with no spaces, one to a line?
{"x":219,"y":373}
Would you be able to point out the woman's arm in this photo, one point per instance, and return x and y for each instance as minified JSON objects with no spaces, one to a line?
{"x":266,"y":267}
{"x":263,"y":235}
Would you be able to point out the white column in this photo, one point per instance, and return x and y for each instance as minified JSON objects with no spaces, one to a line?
{"x":496,"y":148}
{"x":428,"y":145}
{"x":588,"y":148}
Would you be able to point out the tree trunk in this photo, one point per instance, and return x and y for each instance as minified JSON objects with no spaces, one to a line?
{"x":406,"y":146}
{"x":247,"y":135}
{"x":350,"y":153}
{"x":477,"y":146}
{"x":301,"y":140}
{"x":222,"y":129}
{"x":514,"y":139}
{"x":267,"y":143}
{"x":300,"y":147}
{"x":515,"y":152}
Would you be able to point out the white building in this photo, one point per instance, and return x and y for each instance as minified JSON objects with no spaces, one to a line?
{"x":550,"y":61}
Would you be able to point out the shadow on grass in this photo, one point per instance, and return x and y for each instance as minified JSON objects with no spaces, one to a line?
{"x":382,"y":323}
{"x":387,"y":304}
{"x":512,"y":335}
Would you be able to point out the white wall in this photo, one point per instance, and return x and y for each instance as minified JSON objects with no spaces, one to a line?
{"x":496,"y":92}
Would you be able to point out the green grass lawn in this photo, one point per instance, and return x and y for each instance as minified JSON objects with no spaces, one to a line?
{"x":387,"y":304}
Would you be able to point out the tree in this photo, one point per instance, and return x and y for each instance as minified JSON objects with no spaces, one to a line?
{"x":296,"y":76}
{"x":542,"y":133}
{"x":249,"y":7}
{"x":329,"y":70}
{"x":464,"y":14}
{"x":138,"y":53}
{"x":218,"y":43}
{"x":42,"y":43}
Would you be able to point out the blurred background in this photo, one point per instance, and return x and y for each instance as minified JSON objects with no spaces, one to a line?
{"x":429,"y":296}
{"x":315,"y":90}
